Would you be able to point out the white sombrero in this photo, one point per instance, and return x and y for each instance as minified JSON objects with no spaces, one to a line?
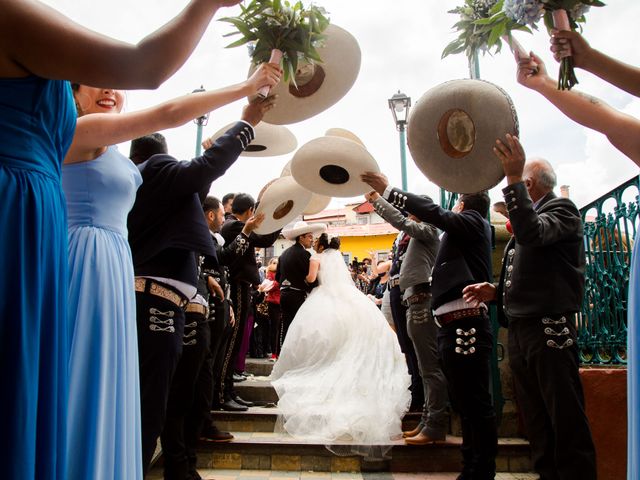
{"x":319,"y":86}
{"x":302,"y":227}
{"x":332,"y":165}
{"x":452,"y":131}
{"x":317,"y":203}
{"x":282,"y":201}
{"x":270,"y":140}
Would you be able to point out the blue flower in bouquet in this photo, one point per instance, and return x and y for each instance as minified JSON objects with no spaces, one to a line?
{"x":524,"y":12}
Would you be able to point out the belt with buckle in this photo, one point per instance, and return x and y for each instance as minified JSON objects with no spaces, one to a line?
{"x":449,"y":317}
{"x":394,"y":282}
{"x":194,"y":307}
{"x":146,"y":285}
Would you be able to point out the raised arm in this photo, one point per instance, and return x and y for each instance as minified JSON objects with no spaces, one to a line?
{"x":417,"y":230}
{"x":622,"y":130}
{"x":97,"y":130}
{"x":620,"y":74}
{"x":36,"y":39}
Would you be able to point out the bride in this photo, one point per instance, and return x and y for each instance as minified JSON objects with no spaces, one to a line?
{"x":341,"y":375}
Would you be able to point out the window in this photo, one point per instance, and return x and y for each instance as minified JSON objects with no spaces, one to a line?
{"x":363,"y":219}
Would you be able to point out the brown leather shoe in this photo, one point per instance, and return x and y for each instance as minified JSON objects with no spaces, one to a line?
{"x":422,"y":439}
{"x":414,"y":432}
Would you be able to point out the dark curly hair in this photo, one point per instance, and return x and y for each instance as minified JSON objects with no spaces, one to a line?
{"x":325,"y":243}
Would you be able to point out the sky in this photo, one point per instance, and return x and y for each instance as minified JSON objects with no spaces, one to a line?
{"x":401,"y":44}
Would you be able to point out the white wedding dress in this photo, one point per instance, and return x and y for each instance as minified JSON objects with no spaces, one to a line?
{"x":341,"y":377}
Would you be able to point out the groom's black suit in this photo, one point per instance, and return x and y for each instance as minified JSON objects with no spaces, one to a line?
{"x":293,"y":267}
{"x":166,"y":231}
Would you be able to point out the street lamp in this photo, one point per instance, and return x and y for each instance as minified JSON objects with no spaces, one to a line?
{"x":399,"y":105}
{"x":200,"y":122}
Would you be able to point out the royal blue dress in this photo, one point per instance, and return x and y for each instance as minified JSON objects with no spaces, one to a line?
{"x":37,"y":120}
{"x":633,"y":367}
{"x":104,"y":393}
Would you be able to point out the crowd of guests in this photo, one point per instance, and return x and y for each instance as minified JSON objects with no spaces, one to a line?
{"x":129,"y":295}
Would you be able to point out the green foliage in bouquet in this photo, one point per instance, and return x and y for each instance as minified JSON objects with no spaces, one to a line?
{"x":274,"y":24}
{"x":480,"y":28}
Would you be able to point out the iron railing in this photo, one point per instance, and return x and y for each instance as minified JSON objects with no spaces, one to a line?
{"x":610,"y":226}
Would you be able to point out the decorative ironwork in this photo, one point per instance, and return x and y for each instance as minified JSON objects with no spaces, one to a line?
{"x":609,"y":233}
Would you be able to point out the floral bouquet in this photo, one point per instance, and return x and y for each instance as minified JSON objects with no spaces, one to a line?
{"x":280,"y":32}
{"x":478,"y":29}
{"x":503,"y":16}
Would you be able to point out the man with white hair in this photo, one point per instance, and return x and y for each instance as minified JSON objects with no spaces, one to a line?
{"x":540,"y":291}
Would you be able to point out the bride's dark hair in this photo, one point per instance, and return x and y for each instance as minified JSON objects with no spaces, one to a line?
{"x":324,"y":242}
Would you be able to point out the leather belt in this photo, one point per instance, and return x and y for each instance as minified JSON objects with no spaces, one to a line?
{"x":146,"y":285}
{"x":194,"y":307}
{"x":394,"y":282}
{"x":449,"y":317}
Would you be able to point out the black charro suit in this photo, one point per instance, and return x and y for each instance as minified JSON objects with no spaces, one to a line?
{"x":540,"y":290}
{"x":166,"y":232}
{"x":464,"y":345}
{"x":293,"y":267}
{"x":243,"y":273}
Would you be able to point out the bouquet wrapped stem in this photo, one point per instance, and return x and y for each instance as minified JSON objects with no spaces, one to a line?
{"x":566,"y":77}
{"x":276,"y":57}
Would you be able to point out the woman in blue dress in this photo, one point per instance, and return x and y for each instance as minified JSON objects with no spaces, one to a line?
{"x":623,"y":131}
{"x":37,"y":119}
{"x":100,"y":186}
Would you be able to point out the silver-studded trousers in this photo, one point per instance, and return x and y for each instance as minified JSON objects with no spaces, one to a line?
{"x":544,"y":360}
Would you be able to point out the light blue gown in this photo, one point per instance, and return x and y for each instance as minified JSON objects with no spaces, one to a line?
{"x":633,"y":367}
{"x":37,"y":119}
{"x":104,"y":395}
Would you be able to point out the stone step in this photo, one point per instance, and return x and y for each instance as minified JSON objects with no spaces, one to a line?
{"x":211,"y":474}
{"x":278,"y":451}
{"x":258,"y":389}
{"x":263,"y":419}
{"x":260,"y":367}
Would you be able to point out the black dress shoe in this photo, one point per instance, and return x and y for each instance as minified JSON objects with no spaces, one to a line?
{"x":232,"y":406}
{"x":238,"y":378}
{"x":242,"y":401}
{"x":211,"y":433}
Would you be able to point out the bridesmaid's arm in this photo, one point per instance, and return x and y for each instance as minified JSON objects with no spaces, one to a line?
{"x":36,"y":39}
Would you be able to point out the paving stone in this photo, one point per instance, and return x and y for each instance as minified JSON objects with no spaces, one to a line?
{"x":256,"y":462}
{"x":227,"y":460}
{"x":315,"y":463}
{"x":345,"y":464}
{"x":285,"y":462}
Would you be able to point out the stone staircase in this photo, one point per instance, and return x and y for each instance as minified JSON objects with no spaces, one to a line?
{"x":260,"y":445}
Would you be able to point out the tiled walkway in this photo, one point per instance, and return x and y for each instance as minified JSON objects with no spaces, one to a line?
{"x":156,"y":474}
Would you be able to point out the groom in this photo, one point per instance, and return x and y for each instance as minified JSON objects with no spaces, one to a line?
{"x":293,"y":267}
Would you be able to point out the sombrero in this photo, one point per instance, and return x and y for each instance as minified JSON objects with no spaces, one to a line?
{"x":270,"y":140}
{"x":452,"y":131}
{"x":317,"y":203}
{"x":332,"y":165}
{"x":302,"y":227}
{"x":282,"y":201}
{"x":319,"y":86}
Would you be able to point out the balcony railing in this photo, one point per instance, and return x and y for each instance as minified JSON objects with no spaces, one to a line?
{"x":610,"y":226}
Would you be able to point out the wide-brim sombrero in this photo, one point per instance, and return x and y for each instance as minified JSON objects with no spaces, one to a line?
{"x":319,"y":86}
{"x":317,"y":203}
{"x":332,"y":165}
{"x":452,"y":131}
{"x":270,"y":140}
{"x":282,"y":201}
{"x":302,"y":227}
